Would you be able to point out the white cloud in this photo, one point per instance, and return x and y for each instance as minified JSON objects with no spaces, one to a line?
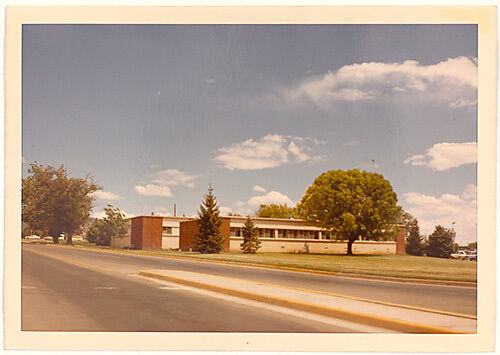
{"x":443,"y":156}
{"x":210,"y":81}
{"x":463,"y":103}
{"x":174,"y":177}
{"x":102,"y":214}
{"x":270,"y":151}
{"x":104,"y":195}
{"x":224,"y":210}
{"x":153,"y":190}
{"x":470,"y":193}
{"x":163,"y":180}
{"x":298,"y":152}
{"x":461,"y":209}
{"x":246,"y":208}
{"x":258,"y":188}
{"x":452,"y":82}
{"x":271,"y":197}
{"x":159,"y":211}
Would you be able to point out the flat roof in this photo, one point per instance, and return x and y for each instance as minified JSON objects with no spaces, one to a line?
{"x":266,"y":219}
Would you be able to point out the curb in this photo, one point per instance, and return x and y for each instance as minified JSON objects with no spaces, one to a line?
{"x":287,"y":268}
{"x":367,"y":319}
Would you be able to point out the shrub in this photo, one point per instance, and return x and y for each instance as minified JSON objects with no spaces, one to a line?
{"x":440,"y":243}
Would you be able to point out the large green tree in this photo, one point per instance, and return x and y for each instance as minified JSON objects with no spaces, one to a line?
{"x":209,"y":238}
{"x":54,"y":203}
{"x":251,"y":242}
{"x":276,"y":211}
{"x":114,"y":224}
{"x":441,"y":243}
{"x":351,"y":204}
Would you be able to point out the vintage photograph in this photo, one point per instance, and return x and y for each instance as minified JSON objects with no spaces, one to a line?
{"x":249,"y":178}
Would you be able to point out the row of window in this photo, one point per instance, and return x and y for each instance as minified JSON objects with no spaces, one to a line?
{"x":283,"y":233}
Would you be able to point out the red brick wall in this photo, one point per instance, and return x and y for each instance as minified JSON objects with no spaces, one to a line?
{"x":187,"y":232}
{"x":146,"y":232}
{"x":189,"y":229}
{"x":226,"y":233}
{"x":136,"y":232}
{"x":401,"y":242}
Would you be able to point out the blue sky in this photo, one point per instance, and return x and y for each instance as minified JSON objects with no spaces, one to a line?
{"x":156,"y":113}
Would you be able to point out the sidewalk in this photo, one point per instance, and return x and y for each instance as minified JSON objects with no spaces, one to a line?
{"x":369,"y":313}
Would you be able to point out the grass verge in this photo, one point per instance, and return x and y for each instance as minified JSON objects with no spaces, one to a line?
{"x":403,"y":266}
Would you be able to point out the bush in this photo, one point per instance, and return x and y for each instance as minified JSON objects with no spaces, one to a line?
{"x":440,"y":243}
{"x":114,"y":224}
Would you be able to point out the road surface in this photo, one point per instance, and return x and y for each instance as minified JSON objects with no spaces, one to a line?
{"x":82,"y":290}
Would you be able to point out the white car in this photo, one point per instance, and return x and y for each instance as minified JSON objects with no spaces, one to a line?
{"x":32,"y":237}
{"x":461,"y":255}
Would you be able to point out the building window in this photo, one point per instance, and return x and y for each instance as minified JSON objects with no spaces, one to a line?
{"x":167,"y":230}
{"x":235,"y":232}
{"x":281,"y":233}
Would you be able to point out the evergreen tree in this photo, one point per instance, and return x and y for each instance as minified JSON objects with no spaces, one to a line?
{"x":440,"y":243}
{"x":251,"y":240}
{"x":414,"y":240}
{"x":209,"y":238}
{"x":415,"y":243}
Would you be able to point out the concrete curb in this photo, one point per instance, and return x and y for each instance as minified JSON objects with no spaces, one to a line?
{"x":367,"y":319}
{"x":286,"y":268}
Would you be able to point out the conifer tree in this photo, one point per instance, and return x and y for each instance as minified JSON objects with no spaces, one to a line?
{"x":209,"y":238}
{"x":251,"y":240}
{"x":415,"y":243}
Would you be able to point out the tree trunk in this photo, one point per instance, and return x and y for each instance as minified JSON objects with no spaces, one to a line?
{"x":350,"y":242}
{"x":56,"y":240}
{"x":69,"y":239}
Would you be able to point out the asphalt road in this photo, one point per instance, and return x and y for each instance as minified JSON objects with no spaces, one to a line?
{"x":109,"y":297}
{"x":61,"y":296}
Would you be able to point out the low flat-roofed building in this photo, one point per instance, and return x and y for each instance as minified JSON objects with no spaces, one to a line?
{"x":276,"y":235}
{"x":171,"y":231}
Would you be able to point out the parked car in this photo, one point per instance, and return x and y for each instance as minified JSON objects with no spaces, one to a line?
{"x":32,"y":237}
{"x":460,"y":255}
{"x":472,"y":255}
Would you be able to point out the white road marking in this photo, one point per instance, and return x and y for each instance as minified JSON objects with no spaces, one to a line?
{"x":104,"y":288}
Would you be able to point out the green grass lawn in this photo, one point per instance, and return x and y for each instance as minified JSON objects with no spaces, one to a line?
{"x":405,"y":266}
